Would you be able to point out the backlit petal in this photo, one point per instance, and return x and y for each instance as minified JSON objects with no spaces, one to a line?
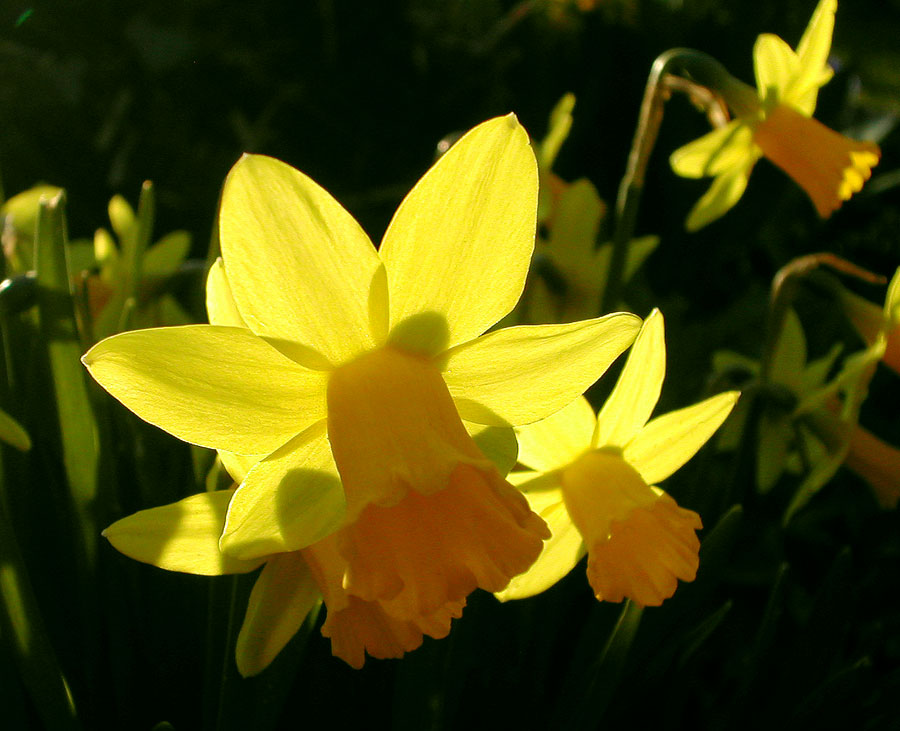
{"x":669,"y":441}
{"x":290,"y":499}
{"x":562,"y":551}
{"x":637,"y":390}
{"x":218,"y":387}
{"x":559,"y":439}
{"x":716,"y":152}
{"x":725,"y":191}
{"x":460,"y":243}
{"x":282,"y":596}
{"x":775,"y":64}
{"x":521,"y":374}
{"x":182,"y":536}
{"x":220,"y":305}
{"x":299,"y":265}
{"x":815,"y":45}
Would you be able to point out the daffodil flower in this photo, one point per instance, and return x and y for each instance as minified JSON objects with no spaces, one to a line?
{"x":776,"y":122}
{"x":337,"y":377}
{"x":592,"y":480}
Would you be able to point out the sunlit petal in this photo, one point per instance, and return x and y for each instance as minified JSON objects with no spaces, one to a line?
{"x":668,"y":441}
{"x":521,"y":374}
{"x":775,"y":64}
{"x":182,"y":536}
{"x":716,"y":152}
{"x":220,"y":305}
{"x":289,"y":500}
{"x":558,"y":439}
{"x":637,"y":390}
{"x":460,"y":243}
{"x":725,"y":191}
{"x":218,"y":387}
{"x":299,"y":265}
{"x":562,"y":551}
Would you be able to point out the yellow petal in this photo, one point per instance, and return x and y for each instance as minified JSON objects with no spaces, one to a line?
{"x":289,"y":500}
{"x":775,"y":64}
{"x":299,"y":265}
{"x":562,"y":551}
{"x":559,"y":439}
{"x":815,"y":46}
{"x":669,"y":441}
{"x":521,"y":374}
{"x":13,"y":433}
{"x":637,"y":390}
{"x":182,"y":536}
{"x":218,"y":387}
{"x":238,"y":465}
{"x":461,"y":241}
{"x":725,"y":191}
{"x":497,"y":443}
{"x":220,"y":305}
{"x":282,"y":596}
{"x":715,"y":153}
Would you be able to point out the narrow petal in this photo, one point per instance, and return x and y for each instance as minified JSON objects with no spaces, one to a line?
{"x":725,"y":191}
{"x":562,"y":551}
{"x":521,"y":374}
{"x":775,"y":65}
{"x":637,"y":390}
{"x":289,"y":500}
{"x":716,"y":152}
{"x":282,"y":596}
{"x":460,"y":244}
{"x":220,"y":305}
{"x":815,"y":45}
{"x":299,"y":265}
{"x":559,"y":439}
{"x":218,"y":387}
{"x":669,"y":441}
{"x":182,"y":536}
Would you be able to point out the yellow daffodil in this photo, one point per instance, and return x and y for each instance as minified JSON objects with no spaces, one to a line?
{"x":334,"y":379}
{"x":776,"y":122}
{"x":592,"y":482}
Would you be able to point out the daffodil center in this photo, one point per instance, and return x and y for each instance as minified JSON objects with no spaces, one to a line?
{"x":601,"y":487}
{"x":393,"y":426}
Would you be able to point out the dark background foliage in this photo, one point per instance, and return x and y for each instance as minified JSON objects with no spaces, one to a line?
{"x":795,"y":624}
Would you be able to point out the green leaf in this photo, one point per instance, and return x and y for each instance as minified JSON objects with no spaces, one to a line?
{"x":22,"y":628}
{"x":12,"y":432}
{"x":78,"y":427}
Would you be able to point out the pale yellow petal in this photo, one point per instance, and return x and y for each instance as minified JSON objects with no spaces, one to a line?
{"x":282,"y":596}
{"x":725,"y":191}
{"x":220,"y":305}
{"x":637,"y":390}
{"x":521,"y":374}
{"x":299,"y":265}
{"x":182,"y":536}
{"x":775,"y":65}
{"x":562,"y":551}
{"x":218,"y":387}
{"x":559,"y":439}
{"x":669,"y":441}
{"x":716,"y":152}
{"x":287,"y":501}
{"x":460,"y":243}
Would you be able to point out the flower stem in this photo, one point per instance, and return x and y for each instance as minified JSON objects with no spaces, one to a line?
{"x":678,"y":69}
